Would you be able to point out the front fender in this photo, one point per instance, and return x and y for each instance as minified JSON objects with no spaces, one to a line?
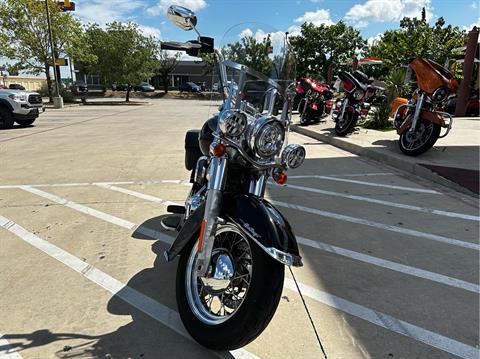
{"x":257,"y":218}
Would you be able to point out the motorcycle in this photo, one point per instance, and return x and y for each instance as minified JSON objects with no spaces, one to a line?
{"x":358,"y":91}
{"x":418,"y":121}
{"x":312,"y":98}
{"x":232,"y":243}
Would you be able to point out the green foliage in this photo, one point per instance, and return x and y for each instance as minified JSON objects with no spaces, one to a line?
{"x":395,"y":84}
{"x":67,"y":95}
{"x":252,"y":53}
{"x":24,"y":35}
{"x":166,"y":63}
{"x":124,"y":54}
{"x":416,"y":38}
{"x":379,"y":117}
{"x":319,"y":46}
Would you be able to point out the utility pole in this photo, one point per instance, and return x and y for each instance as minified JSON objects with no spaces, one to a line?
{"x":57,"y":100}
{"x":463,"y":91}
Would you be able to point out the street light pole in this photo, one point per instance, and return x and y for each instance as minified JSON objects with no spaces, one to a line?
{"x":57,"y":100}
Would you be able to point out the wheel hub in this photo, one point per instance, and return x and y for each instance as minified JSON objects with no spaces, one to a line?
{"x":220,"y":273}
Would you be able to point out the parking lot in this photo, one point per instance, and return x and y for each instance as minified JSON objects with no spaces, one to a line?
{"x":390,"y":261}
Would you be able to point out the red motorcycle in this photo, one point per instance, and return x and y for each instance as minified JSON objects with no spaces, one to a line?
{"x":313,"y":100}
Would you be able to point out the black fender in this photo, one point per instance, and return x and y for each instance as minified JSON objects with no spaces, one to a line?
{"x":256,"y":218}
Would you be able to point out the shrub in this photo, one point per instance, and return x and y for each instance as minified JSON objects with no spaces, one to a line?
{"x":67,"y":95}
{"x":379,"y":117}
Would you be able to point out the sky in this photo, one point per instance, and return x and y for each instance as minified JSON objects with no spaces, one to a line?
{"x":215,"y":17}
{"x":371,"y":17}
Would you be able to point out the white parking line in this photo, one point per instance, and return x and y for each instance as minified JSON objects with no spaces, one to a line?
{"x":402,"y":188}
{"x":388,"y":322}
{"x":387,"y":203}
{"x":144,"y":196}
{"x":6,"y":351}
{"x":147,"y":305}
{"x":370,"y":174}
{"x":82,"y":184}
{"x":171,"y":318}
{"x":398,"y":267}
{"x":387,"y":227}
{"x":439,"y":278}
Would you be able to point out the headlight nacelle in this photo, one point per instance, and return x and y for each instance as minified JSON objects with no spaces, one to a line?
{"x":293,"y":156}
{"x":266,"y":137}
{"x":233,"y":122}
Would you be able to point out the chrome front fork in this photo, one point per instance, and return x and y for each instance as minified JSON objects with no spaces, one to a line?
{"x":418,"y":108}
{"x":213,"y":205}
{"x":344,"y":107}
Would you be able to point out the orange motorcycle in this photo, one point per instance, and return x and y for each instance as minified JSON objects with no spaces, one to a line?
{"x":418,"y":121}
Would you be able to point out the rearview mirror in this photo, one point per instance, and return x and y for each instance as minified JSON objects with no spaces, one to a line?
{"x":182,"y":17}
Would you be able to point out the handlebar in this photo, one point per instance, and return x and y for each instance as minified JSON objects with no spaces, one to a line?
{"x":179,"y":46}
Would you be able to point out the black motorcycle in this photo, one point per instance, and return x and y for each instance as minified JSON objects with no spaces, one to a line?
{"x":233,"y":244}
{"x":359,"y":91}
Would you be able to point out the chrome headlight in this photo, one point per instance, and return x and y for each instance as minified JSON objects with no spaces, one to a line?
{"x":232,"y":122}
{"x":267,"y":136}
{"x":293,"y":156}
{"x":358,"y":94}
{"x":440,"y":94}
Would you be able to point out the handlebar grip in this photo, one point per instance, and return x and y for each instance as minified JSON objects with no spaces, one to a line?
{"x":170,"y":46}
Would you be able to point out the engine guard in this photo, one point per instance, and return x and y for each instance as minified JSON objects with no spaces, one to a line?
{"x":256,"y":218}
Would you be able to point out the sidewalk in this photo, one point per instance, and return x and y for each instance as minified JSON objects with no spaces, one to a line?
{"x":453,"y":161}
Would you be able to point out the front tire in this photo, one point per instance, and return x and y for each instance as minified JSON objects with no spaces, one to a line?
{"x":345,"y":125}
{"x":414,"y":144}
{"x":6,"y":118}
{"x":248,"y":302}
{"x":25,"y":123}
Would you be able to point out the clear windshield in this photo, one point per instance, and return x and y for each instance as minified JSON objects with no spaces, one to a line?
{"x":259,"y":65}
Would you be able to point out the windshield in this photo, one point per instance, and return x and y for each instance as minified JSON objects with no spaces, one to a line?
{"x":259,"y":67}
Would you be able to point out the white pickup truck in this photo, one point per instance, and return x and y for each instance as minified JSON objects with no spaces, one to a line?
{"x":19,"y":106}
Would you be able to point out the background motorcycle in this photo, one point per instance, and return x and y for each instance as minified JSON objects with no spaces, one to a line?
{"x":312,"y":97}
{"x":418,"y":121}
{"x":233,"y":244}
{"x":358,"y":90}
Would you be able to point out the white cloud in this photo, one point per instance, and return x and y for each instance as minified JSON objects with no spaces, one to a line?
{"x":470,"y":27}
{"x":474,"y":5}
{"x":150,"y":31}
{"x":373,"y":39}
{"x":321,"y":16}
{"x":162,"y":6}
{"x":294,"y":30}
{"x":387,"y":10}
{"x":103,"y":12}
{"x":277,"y":38}
{"x":246,"y":33}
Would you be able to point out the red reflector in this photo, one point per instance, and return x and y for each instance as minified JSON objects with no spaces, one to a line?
{"x":281,"y":178}
{"x":219,"y":150}
{"x":348,"y":85}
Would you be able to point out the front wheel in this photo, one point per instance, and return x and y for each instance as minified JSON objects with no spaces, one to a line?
{"x":236,"y":300}
{"x":346,"y":124}
{"x":420,"y":140}
{"x":25,"y":123}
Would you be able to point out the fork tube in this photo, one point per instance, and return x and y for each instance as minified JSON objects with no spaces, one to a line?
{"x":212,"y":211}
{"x":418,"y":108}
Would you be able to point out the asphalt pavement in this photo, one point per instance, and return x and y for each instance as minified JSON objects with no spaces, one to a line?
{"x":390,"y":259}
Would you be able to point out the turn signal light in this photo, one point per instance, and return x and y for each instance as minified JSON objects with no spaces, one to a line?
{"x":280,"y":177}
{"x":219,"y":150}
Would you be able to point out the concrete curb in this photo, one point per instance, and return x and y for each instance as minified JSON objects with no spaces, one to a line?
{"x":388,"y":159}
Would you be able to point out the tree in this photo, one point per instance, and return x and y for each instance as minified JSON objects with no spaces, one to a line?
{"x":319,"y":46}
{"x":24,"y":36}
{"x":124,"y":54}
{"x":165,"y":65}
{"x":416,"y":38}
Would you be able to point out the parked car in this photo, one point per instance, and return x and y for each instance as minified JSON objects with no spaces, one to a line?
{"x":120,"y":87}
{"x":189,"y":87}
{"x":16,"y":87}
{"x":79,"y":87}
{"x":19,"y":106}
{"x":144,"y":87}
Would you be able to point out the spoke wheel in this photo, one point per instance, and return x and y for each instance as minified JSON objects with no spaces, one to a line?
{"x":420,"y":140}
{"x":235,"y":301}
{"x":214,"y":301}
